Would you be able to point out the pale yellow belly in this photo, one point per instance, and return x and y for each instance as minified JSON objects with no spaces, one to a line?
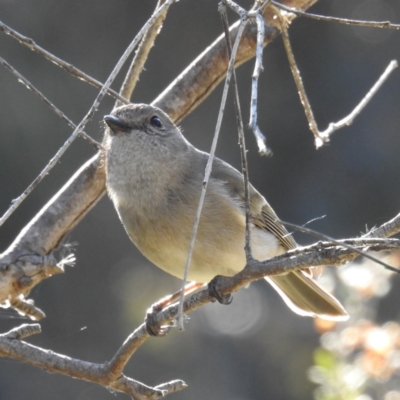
{"x":213,"y":255}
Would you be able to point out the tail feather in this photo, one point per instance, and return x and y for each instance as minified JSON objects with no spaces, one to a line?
{"x":305,"y":297}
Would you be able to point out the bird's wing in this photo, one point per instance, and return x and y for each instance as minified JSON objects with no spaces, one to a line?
{"x":262,"y":215}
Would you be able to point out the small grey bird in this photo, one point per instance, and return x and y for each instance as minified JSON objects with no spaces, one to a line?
{"x":154,"y":178}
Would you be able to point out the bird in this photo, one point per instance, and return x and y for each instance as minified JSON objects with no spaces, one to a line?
{"x":154,"y":178}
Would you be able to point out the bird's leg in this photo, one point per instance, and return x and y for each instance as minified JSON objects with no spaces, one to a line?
{"x":152,"y":326}
{"x":213,"y":290}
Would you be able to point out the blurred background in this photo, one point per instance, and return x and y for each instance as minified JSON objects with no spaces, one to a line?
{"x":256,"y":348}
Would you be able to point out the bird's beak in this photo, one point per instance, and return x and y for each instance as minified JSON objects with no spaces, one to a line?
{"x":116,"y":125}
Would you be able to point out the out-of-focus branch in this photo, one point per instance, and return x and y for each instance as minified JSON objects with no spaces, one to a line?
{"x":141,"y":55}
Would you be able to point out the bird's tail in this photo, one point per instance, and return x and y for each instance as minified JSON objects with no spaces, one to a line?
{"x":305,"y":297}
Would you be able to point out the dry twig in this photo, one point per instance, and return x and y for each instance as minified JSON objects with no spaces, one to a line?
{"x":345,"y":21}
{"x":141,"y":55}
{"x":102,"y":374}
{"x":242,"y":141}
{"x":323,"y":137}
{"x":207,"y":174}
{"x":30,"y":43}
{"x":42,"y":97}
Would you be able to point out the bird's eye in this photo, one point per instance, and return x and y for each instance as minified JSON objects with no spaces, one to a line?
{"x":156,"y":122}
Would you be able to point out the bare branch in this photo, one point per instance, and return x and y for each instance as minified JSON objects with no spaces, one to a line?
{"x":338,"y":242}
{"x":321,"y":253}
{"x":242,"y":141}
{"x":207,"y":174}
{"x":142,"y":53}
{"x":387,"y":229}
{"x":23,"y":331}
{"x":258,"y":68}
{"x":11,"y":346}
{"x":297,"y":77}
{"x":201,"y":77}
{"x":60,"y":63}
{"x":42,"y":97}
{"x":323,"y":137}
{"x":19,"y":274}
{"x":333,"y":126}
{"x":345,"y":21}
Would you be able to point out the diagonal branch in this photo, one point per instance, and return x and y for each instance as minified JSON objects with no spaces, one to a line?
{"x":32,"y":88}
{"x":30,"y":43}
{"x":12,"y":346}
{"x":141,"y":55}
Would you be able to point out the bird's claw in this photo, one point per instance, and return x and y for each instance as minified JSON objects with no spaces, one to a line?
{"x":153,"y":327}
{"x":225,"y":299}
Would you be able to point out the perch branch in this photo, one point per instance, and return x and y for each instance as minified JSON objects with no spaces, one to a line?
{"x":321,"y":253}
{"x":110,"y":374}
{"x":338,"y":242}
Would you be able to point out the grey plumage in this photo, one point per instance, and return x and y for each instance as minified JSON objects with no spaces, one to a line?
{"x":154,"y":178}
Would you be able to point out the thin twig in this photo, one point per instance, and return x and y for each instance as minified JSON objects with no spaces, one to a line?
{"x":28,"y":42}
{"x":346,"y":21}
{"x":387,"y":229}
{"x":236,"y":8}
{"x":258,"y":68}
{"x":141,"y":55}
{"x":209,"y":166}
{"x":128,"y":348}
{"x":323,"y":137}
{"x":11,"y":346}
{"x":257,"y":14}
{"x":23,"y":331}
{"x":242,"y":141}
{"x":29,"y":86}
{"x":339,"y":243}
{"x":297,"y":77}
{"x":88,"y":116}
{"x":333,"y":126}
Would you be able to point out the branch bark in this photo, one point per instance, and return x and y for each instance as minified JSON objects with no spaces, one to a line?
{"x":110,"y":374}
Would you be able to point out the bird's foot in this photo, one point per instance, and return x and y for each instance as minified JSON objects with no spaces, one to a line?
{"x":152,"y":325}
{"x":213,"y":290}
